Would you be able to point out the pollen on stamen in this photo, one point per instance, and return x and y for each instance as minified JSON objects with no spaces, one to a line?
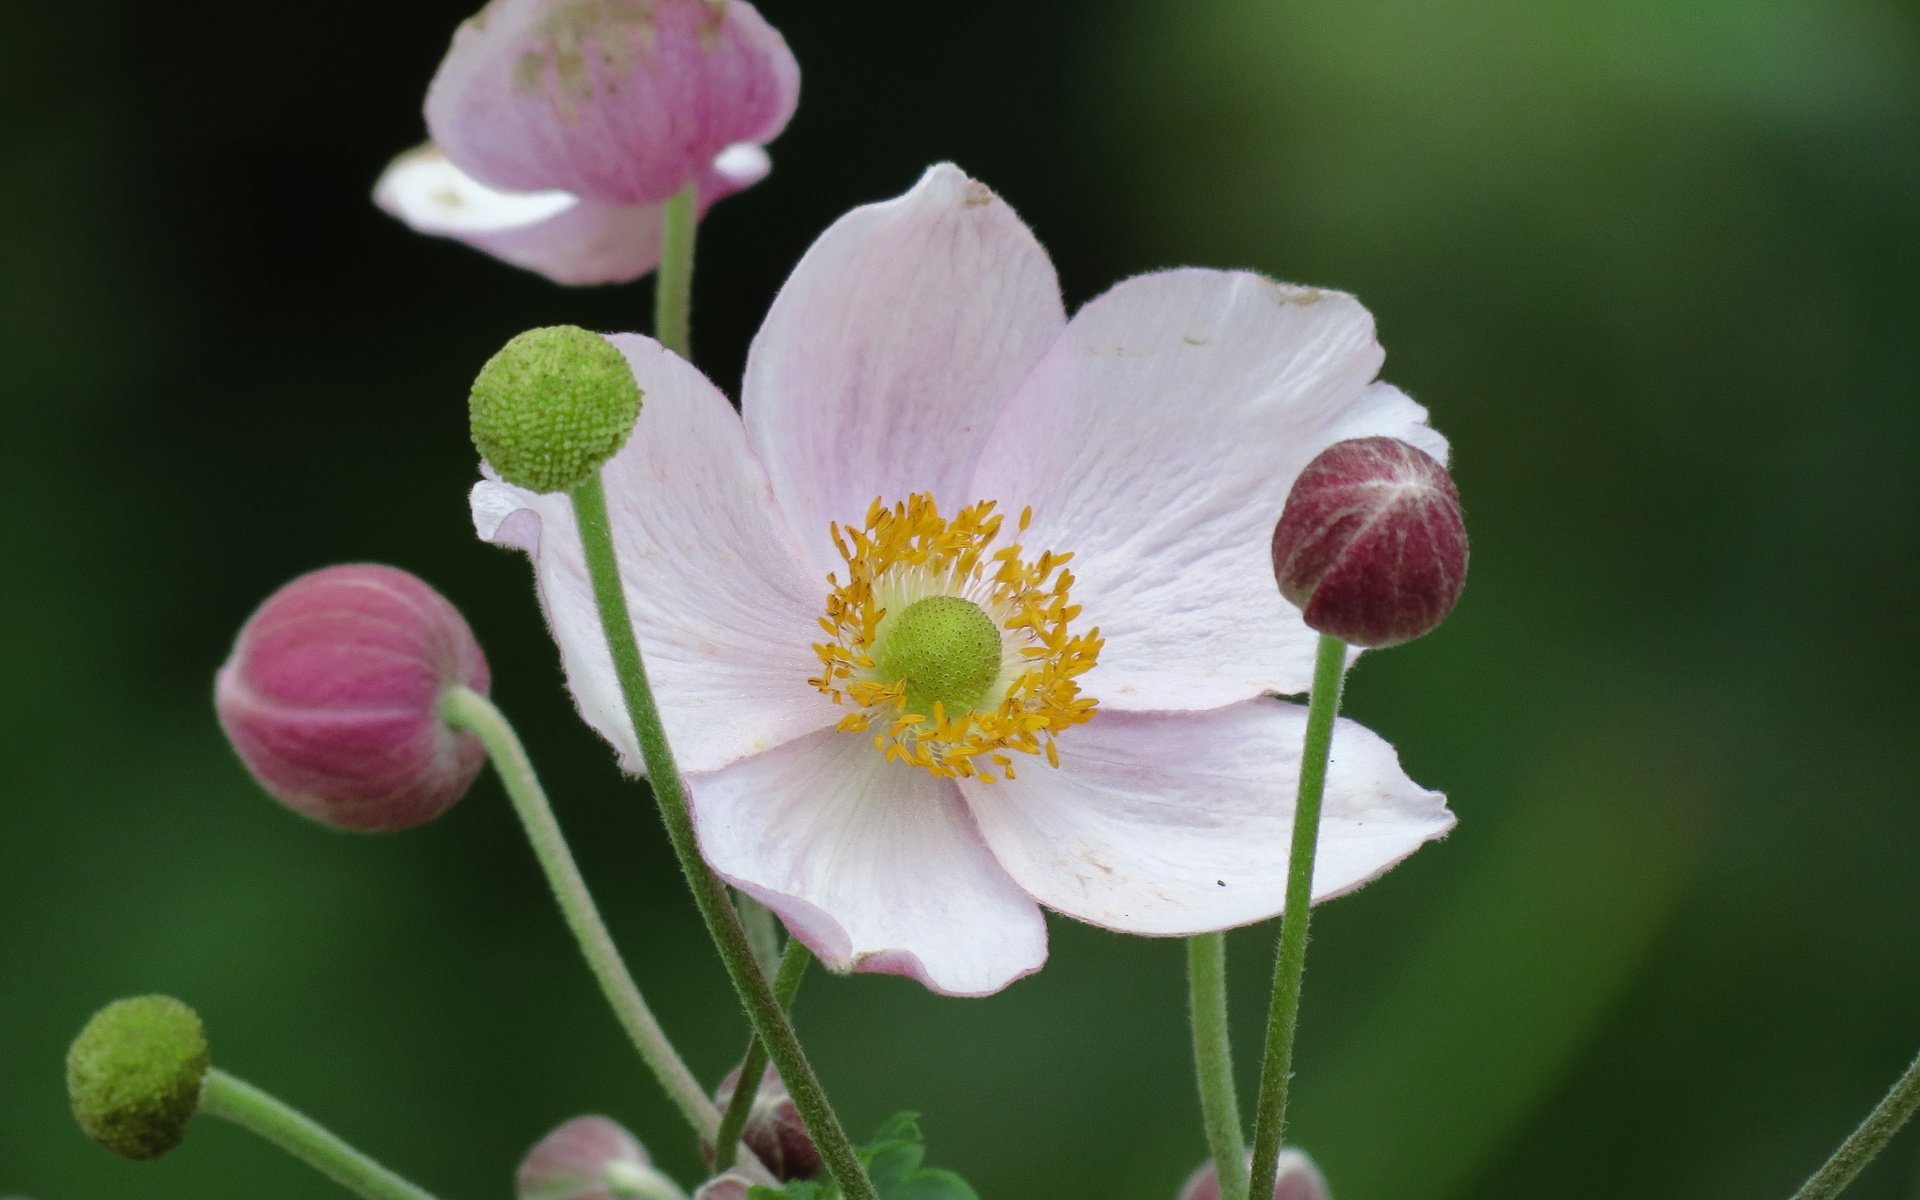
{"x":907,"y":553}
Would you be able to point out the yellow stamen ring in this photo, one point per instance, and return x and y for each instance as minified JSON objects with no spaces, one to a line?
{"x":889,"y":644}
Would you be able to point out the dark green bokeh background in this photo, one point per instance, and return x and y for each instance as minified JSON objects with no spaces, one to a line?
{"x":1651,"y":264}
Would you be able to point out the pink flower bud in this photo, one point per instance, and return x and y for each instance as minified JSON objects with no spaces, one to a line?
{"x":1298,"y":1179}
{"x":774,"y":1131}
{"x":724,"y":1187}
{"x":330,"y":698}
{"x":1371,"y":545}
{"x":591,"y":1158}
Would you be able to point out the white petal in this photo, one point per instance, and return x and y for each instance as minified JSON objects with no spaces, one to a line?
{"x":1179,"y":823}
{"x":556,"y":234}
{"x":874,"y":865}
{"x":725,"y":612}
{"x":1157,"y":442}
{"x":891,"y":349}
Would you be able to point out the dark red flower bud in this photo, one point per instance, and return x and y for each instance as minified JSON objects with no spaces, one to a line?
{"x":331,"y":698}
{"x":774,"y":1131}
{"x":1371,"y":545}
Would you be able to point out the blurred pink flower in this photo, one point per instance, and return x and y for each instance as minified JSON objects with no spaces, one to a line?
{"x":561,"y":126}
{"x":916,"y":381}
{"x":1298,"y":1179}
{"x":591,"y":1158}
{"x":730,"y":1186}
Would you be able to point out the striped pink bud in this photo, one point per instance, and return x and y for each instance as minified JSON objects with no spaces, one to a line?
{"x":330,"y":697}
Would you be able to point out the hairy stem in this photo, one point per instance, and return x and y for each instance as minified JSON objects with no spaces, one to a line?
{"x":250,"y":1108}
{"x":1290,"y":963}
{"x":673,"y":281}
{"x":1213,"y":1060}
{"x":786,"y":985}
{"x":1864,"y":1144}
{"x":769,"y":1020}
{"x":463,"y":708}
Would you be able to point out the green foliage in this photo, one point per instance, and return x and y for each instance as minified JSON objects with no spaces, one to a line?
{"x":893,"y":1161}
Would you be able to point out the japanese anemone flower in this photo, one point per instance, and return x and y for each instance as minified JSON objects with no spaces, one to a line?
{"x":560,"y":129}
{"x":970,"y":611}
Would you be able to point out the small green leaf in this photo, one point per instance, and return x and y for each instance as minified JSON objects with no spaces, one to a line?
{"x":893,"y":1160}
{"x":931,"y":1183}
{"x":901,"y":1130}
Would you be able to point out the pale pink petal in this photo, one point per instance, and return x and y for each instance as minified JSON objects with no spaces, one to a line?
{"x":556,"y":234}
{"x":874,"y":865}
{"x":1179,"y":823}
{"x":725,"y":613}
{"x":1295,"y":1178}
{"x":572,"y":1162}
{"x":1157,"y":442}
{"x":616,"y":101}
{"x":725,"y":1187}
{"x":890,"y":350}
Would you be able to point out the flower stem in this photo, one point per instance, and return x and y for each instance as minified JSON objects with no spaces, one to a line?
{"x":769,"y":1020}
{"x":1213,"y":1060}
{"x":673,"y":281}
{"x":463,"y":708}
{"x":786,"y":985}
{"x":1290,"y":964}
{"x":250,"y":1108}
{"x":1866,"y":1142}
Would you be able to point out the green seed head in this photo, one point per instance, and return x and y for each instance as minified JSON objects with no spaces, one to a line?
{"x":134,"y":1075}
{"x":552,"y":407}
{"x":945,"y":649}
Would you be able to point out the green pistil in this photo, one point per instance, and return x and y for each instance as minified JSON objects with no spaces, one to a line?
{"x":944,"y":649}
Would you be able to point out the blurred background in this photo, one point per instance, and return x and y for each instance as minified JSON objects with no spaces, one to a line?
{"x":1651,"y":264}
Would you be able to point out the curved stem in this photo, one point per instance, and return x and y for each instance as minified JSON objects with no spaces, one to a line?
{"x":1290,"y":964}
{"x":1213,"y":1060}
{"x":786,"y":985}
{"x":1866,"y":1142}
{"x":250,"y":1108}
{"x":709,"y":894}
{"x":465,"y":709}
{"x":673,"y":281}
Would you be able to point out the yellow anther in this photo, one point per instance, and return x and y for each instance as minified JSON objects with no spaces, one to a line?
{"x":908,"y":552}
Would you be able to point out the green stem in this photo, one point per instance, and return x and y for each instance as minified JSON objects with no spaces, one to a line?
{"x":769,"y":1020}
{"x":1290,"y":964}
{"x":786,"y":985}
{"x":1866,"y":1142}
{"x":252,"y":1109}
{"x":466,"y":709}
{"x":673,"y":281}
{"x":1213,"y":1060}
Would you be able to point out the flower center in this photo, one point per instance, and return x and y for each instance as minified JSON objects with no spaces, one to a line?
{"x":953,"y":652}
{"x":943,"y":650}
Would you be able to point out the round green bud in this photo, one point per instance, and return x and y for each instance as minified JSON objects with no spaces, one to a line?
{"x":552,"y":407}
{"x":134,"y":1075}
{"x":945,"y":649}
